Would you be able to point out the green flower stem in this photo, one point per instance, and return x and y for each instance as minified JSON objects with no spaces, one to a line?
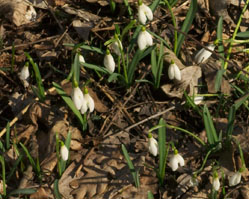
{"x":234,"y":34}
{"x":174,"y":24}
{"x":3,"y":174}
{"x":180,"y":129}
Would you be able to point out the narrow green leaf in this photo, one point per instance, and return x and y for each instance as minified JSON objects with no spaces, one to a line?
{"x":209,"y":126}
{"x":150,"y":195}
{"x":240,"y":101}
{"x":133,"y":39}
{"x":37,"y":77}
{"x":69,"y":102}
{"x":243,"y":34}
{"x":56,"y":189}
{"x":162,"y":150}
{"x":3,"y":174}
{"x":218,"y":79}
{"x":187,"y":24}
{"x":127,"y":28}
{"x":76,"y":68}
{"x":22,"y":192}
{"x":7,"y":138}
{"x":153,"y":58}
{"x":131,"y":166}
{"x":220,"y":40}
{"x":14,"y":167}
{"x":97,"y":68}
{"x":154,"y":5}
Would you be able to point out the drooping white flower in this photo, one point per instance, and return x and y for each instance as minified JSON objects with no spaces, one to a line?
{"x":24,"y":74}
{"x":198,"y":100}
{"x":88,"y":102}
{"x":204,"y":54}
{"x":174,"y":72}
{"x":109,"y":61}
{"x":144,"y":13}
{"x":144,"y":39}
{"x":216,"y":181}
{"x":81,"y":59}
{"x":117,"y":46}
{"x":235,"y":179}
{"x":77,"y":97}
{"x":64,"y":152}
{"x":153,"y":145}
{"x":175,"y":160}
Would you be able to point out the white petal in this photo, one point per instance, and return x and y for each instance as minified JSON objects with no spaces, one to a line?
{"x":203,"y":54}
{"x":153,"y":146}
{"x":109,"y":63}
{"x":115,"y":47}
{"x":216,"y":184}
{"x":64,"y":153}
{"x":84,"y":107}
{"x":141,"y":40}
{"x":24,"y":74}
{"x":141,"y":15}
{"x":180,"y":159}
{"x":148,"y":12}
{"x":177,"y":73}
{"x":149,"y":40}
{"x":171,"y":71}
{"x":90,"y":102}
{"x":77,"y":97}
{"x":235,"y":179}
{"x":198,"y":99}
{"x":173,"y":163}
{"x":81,"y":59}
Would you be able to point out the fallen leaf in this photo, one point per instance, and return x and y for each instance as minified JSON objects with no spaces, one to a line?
{"x":190,"y":77}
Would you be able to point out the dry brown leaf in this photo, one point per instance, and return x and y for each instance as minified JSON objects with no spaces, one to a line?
{"x":41,"y":193}
{"x":190,"y":76}
{"x":210,"y":70}
{"x":82,"y":28}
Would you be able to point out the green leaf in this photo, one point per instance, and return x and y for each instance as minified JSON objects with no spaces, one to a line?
{"x":127,"y":28}
{"x":243,"y":34}
{"x":69,"y":102}
{"x":3,"y":175}
{"x":76,"y":68}
{"x":97,"y":68}
{"x":220,"y":40}
{"x":7,"y":138}
{"x":240,"y":101}
{"x":150,"y":195}
{"x":56,"y":189}
{"x":38,"y":78}
{"x":162,"y":150}
{"x":209,"y":126}
{"x":154,"y":5}
{"x":218,"y":79}
{"x":187,"y":24}
{"x":134,"y":173}
{"x":22,"y":192}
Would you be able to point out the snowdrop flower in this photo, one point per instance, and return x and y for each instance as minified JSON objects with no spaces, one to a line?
{"x":24,"y":74}
{"x":64,"y":152}
{"x":203,"y":54}
{"x":198,"y":100}
{"x":88,"y":102}
{"x":174,"y":72}
{"x":175,"y":160}
{"x":77,"y":96}
{"x":109,"y":61}
{"x":216,"y":181}
{"x":153,"y":145}
{"x":81,"y":59}
{"x":144,"y":12}
{"x":117,"y":46}
{"x":144,"y":39}
{"x":235,"y":179}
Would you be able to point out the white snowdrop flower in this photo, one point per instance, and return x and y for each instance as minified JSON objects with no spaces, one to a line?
{"x":144,"y":13}
{"x":117,"y":46}
{"x":144,"y":39}
{"x":204,"y":54}
{"x":88,"y":102}
{"x":153,"y":145}
{"x":30,"y":14}
{"x":109,"y":61}
{"x":77,"y":97}
{"x":174,"y":72}
{"x":235,"y":179}
{"x":198,"y":100}
{"x":24,"y":74}
{"x":81,"y":59}
{"x":216,"y":181}
{"x":175,"y":160}
{"x":64,"y":152}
